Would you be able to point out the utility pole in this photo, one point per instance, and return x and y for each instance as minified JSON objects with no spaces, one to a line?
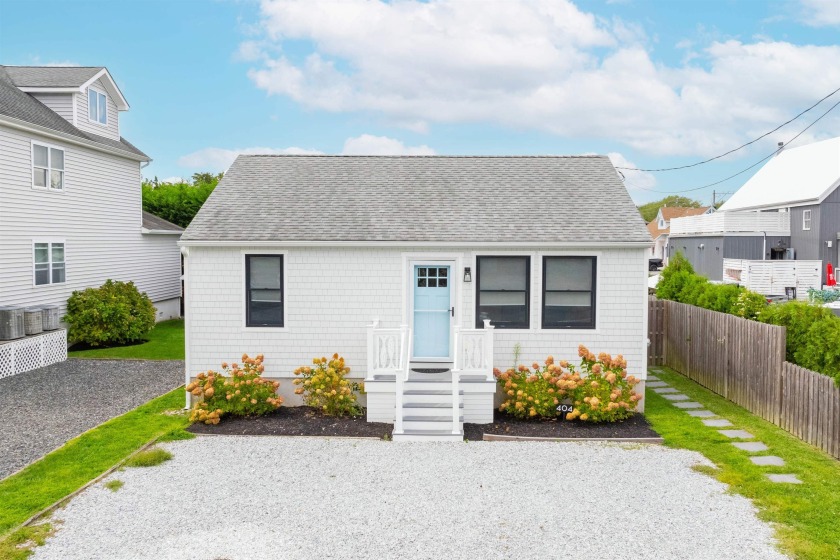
{"x":714,"y":200}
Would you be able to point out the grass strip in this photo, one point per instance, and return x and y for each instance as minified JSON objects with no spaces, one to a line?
{"x":84,"y":458}
{"x":166,"y":342}
{"x":805,"y":515}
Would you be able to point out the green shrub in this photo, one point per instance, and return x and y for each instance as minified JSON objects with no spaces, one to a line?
{"x":797,"y":317}
{"x":325,"y":387}
{"x":821,"y":352}
{"x":242,"y":393}
{"x":114,"y":313}
{"x":674,"y":277}
{"x":749,"y":305}
{"x":601,"y":391}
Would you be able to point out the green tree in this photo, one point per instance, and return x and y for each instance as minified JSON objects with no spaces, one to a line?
{"x":178,"y":202}
{"x":649,"y":210}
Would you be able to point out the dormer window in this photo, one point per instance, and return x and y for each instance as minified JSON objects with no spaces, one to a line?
{"x":97,"y":106}
{"x":661,"y":224}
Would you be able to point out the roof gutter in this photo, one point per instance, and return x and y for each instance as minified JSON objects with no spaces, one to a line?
{"x":470,"y":244}
{"x":68,"y":138}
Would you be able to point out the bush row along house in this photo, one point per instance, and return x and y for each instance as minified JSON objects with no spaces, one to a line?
{"x":70,"y":198}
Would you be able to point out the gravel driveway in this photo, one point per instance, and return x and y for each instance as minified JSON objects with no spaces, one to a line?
{"x":43,"y":408}
{"x":257,"y":498}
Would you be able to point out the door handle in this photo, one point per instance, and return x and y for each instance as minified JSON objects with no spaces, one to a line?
{"x":452,"y":310}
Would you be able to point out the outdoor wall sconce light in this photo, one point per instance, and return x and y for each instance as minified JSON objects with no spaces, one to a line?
{"x":467,"y":275}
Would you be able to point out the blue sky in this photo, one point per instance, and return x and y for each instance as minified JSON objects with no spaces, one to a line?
{"x":652,"y":83}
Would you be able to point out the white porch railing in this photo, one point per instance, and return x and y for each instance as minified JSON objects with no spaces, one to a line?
{"x":474,"y":351}
{"x":473,"y":356}
{"x":389,"y":353}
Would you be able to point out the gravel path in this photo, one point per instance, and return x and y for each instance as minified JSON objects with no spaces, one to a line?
{"x":43,"y":408}
{"x":252,"y":498}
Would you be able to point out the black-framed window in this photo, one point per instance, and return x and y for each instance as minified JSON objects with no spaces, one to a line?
{"x":569,"y":292}
{"x":264,"y":297}
{"x":503,"y":292}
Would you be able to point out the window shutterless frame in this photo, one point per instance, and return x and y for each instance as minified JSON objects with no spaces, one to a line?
{"x":500,"y":324}
{"x":260,"y":317}
{"x":48,"y":162}
{"x":48,"y":262}
{"x":589,"y":324}
{"x":97,"y":106}
{"x":806,"y":220}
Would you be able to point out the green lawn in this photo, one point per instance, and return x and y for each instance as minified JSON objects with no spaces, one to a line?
{"x":806,"y":516}
{"x":84,"y":458}
{"x":166,"y":342}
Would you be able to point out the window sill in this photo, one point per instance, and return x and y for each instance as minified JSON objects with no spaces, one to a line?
{"x":266,"y":329}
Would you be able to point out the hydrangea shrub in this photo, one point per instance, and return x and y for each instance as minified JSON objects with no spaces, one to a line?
{"x":324,"y":386}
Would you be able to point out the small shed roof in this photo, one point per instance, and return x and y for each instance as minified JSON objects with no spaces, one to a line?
{"x":793,"y":177}
{"x":546,"y":199}
{"x":158,"y":224}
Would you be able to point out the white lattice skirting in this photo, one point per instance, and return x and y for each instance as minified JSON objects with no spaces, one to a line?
{"x":32,"y":352}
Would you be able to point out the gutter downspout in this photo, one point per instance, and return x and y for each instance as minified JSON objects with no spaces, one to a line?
{"x":764,"y":251}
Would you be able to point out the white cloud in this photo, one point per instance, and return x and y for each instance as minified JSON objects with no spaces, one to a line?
{"x":820,"y":13}
{"x":535,"y":64}
{"x":368,"y":145}
{"x":633,"y":179}
{"x":219,"y":159}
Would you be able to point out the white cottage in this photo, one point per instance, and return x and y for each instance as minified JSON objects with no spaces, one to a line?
{"x":423,"y":272}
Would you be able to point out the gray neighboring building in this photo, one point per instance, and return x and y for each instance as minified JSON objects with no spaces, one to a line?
{"x":790,"y":209}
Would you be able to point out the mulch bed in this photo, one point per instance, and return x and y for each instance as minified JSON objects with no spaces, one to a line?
{"x":305,"y":421}
{"x":295,"y":421}
{"x":634,"y":427}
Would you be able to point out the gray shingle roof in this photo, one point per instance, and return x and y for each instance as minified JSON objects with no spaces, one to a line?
{"x":51,"y":76}
{"x":22,"y":106}
{"x":156,"y":223}
{"x":416,"y":198}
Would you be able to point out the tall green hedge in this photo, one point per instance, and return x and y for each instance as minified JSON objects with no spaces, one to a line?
{"x":178,"y":202}
{"x":813,"y":332}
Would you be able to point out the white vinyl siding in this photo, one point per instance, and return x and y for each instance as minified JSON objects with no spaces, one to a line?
{"x":47,"y":167}
{"x":83,"y":121}
{"x":61,"y":103}
{"x":98,"y":217}
{"x":49,"y":262}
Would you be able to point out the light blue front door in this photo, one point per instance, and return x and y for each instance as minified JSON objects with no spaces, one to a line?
{"x":432,"y":311}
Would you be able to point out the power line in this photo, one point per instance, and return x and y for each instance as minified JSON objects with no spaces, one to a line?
{"x":735,"y":149}
{"x":762,"y":160}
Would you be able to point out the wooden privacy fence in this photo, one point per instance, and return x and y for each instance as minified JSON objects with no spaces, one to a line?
{"x":744,"y":361}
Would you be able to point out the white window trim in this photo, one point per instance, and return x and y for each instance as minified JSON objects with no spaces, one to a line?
{"x":32,"y":166}
{"x":806,"y":221}
{"x":50,"y":242}
{"x":244,"y":288}
{"x":87,"y":102}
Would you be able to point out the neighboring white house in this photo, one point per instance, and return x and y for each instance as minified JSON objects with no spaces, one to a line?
{"x":660,"y":226}
{"x":70,"y":199}
{"x":399,"y":263}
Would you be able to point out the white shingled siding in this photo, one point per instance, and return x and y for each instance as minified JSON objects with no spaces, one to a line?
{"x":98,"y":216}
{"x":333,"y":293}
{"x":83,"y":122}
{"x":61,"y":103}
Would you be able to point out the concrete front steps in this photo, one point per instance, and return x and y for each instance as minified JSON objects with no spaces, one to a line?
{"x":427,"y":412}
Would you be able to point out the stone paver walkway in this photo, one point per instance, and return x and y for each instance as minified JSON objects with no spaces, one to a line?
{"x":711,"y":420}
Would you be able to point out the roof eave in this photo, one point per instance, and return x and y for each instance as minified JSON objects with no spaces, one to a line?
{"x":479,"y":244}
{"x":69,"y":138}
{"x":111,"y":86}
